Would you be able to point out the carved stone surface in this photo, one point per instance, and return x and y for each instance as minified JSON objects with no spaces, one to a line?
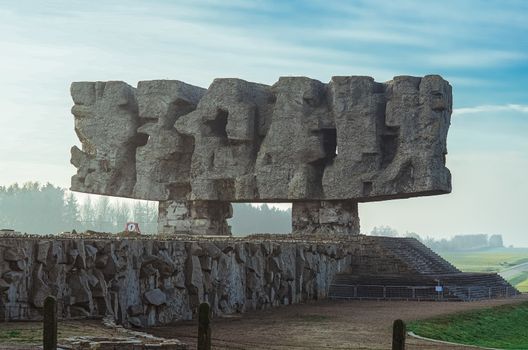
{"x":300,"y":140}
{"x":149,"y":281}
{"x":144,"y":282}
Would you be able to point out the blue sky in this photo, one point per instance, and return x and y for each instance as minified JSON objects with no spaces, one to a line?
{"x":481,"y":47}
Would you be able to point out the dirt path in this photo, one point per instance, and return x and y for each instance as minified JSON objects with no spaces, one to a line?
{"x":323,"y":325}
{"x":514,"y":270}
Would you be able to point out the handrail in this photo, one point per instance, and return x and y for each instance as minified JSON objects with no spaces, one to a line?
{"x":448,"y":292}
{"x":402,"y":286}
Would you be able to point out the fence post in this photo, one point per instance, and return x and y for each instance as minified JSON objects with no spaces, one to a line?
{"x":398,"y":335}
{"x":204,"y":327}
{"x":49,"y":334}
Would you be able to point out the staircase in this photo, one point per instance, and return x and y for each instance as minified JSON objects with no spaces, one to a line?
{"x":428,"y":271}
{"x":417,"y":255}
{"x":478,"y":286}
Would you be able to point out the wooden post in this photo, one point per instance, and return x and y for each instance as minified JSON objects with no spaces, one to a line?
{"x":398,"y":335}
{"x":49,"y":334}
{"x":204,"y":327}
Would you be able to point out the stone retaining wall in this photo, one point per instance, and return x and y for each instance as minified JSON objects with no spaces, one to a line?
{"x":151,"y":281}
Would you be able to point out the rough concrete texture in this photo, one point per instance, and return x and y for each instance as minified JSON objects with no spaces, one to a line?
{"x":154,"y":281}
{"x":198,"y":217}
{"x":325,"y":217}
{"x":299,"y":140}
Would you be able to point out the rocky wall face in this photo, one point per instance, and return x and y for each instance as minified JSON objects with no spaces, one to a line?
{"x":352,"y":139}
{"x":146,"y":281}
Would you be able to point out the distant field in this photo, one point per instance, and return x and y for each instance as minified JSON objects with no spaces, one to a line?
{"x":503,"y":327}
{"x":491,"y":260}
{"x":523,"y":286}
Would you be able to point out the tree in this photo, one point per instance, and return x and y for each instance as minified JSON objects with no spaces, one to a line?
{"x":151,"y":226}
{"x":413,"y":235}
{"x":103,"y":214}
{"x":87,"y":215}
{"x":122,"y":215}
{"x":495,"y":241}
{"x":48,"y":209}
{"x":384,"y":231}
{"x":468,"y":242}
{"x":146,"y":215}
{"x":251,"y":219}
{"x":140,"y":212}
{"x":32,"y":208}
{"x":71,"y":214}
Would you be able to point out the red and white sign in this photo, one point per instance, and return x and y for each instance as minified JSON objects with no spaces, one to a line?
{"x":132,"y":227}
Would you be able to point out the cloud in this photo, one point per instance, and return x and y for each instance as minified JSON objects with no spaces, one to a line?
{"x":491,"y":108}
{"x":474,"y":58}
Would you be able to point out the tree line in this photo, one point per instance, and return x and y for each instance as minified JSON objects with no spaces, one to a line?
{"x":46,"y":209}
{"x":261,"y":219}
{"x":455,"y":243}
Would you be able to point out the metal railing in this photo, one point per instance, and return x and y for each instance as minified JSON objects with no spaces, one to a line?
{"x":394,"y":292}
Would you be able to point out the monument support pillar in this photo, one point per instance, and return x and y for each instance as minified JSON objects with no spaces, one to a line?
{"x":194,"y":217}
{"x":325,"y":217}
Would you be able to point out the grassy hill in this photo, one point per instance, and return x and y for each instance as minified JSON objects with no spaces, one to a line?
{"x":502,"y":327}
{"x":491,"y":260}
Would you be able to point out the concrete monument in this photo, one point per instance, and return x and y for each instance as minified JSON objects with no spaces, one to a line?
{"x":322,"y":147}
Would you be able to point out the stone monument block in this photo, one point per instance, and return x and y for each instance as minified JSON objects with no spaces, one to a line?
{"x":322,"y":147}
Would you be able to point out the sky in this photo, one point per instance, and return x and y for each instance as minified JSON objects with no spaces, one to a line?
{"x":480,"y":47}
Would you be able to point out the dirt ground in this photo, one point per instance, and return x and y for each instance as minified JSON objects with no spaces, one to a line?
{"x":321,"y":325}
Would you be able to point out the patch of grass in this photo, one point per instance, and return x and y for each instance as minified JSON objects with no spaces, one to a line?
{"x":18,"y":333}
{"x":491,"y":260}
{"x":518,"y":279}
{"x":501,"y":327}
{"x":10,"y":334}
{"x":23,"y":335}
{"x":519,"y":261}
{"x":523,"y":286}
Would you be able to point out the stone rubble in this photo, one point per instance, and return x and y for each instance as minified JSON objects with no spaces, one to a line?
{"x":127,"y":339}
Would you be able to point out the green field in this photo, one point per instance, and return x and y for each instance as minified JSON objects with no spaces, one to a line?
{"x":523,"y":286}
{"x":501,"y":327}
{"x":491,"y":260}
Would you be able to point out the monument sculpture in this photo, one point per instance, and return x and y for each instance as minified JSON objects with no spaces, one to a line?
{"x":322,"y":147}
